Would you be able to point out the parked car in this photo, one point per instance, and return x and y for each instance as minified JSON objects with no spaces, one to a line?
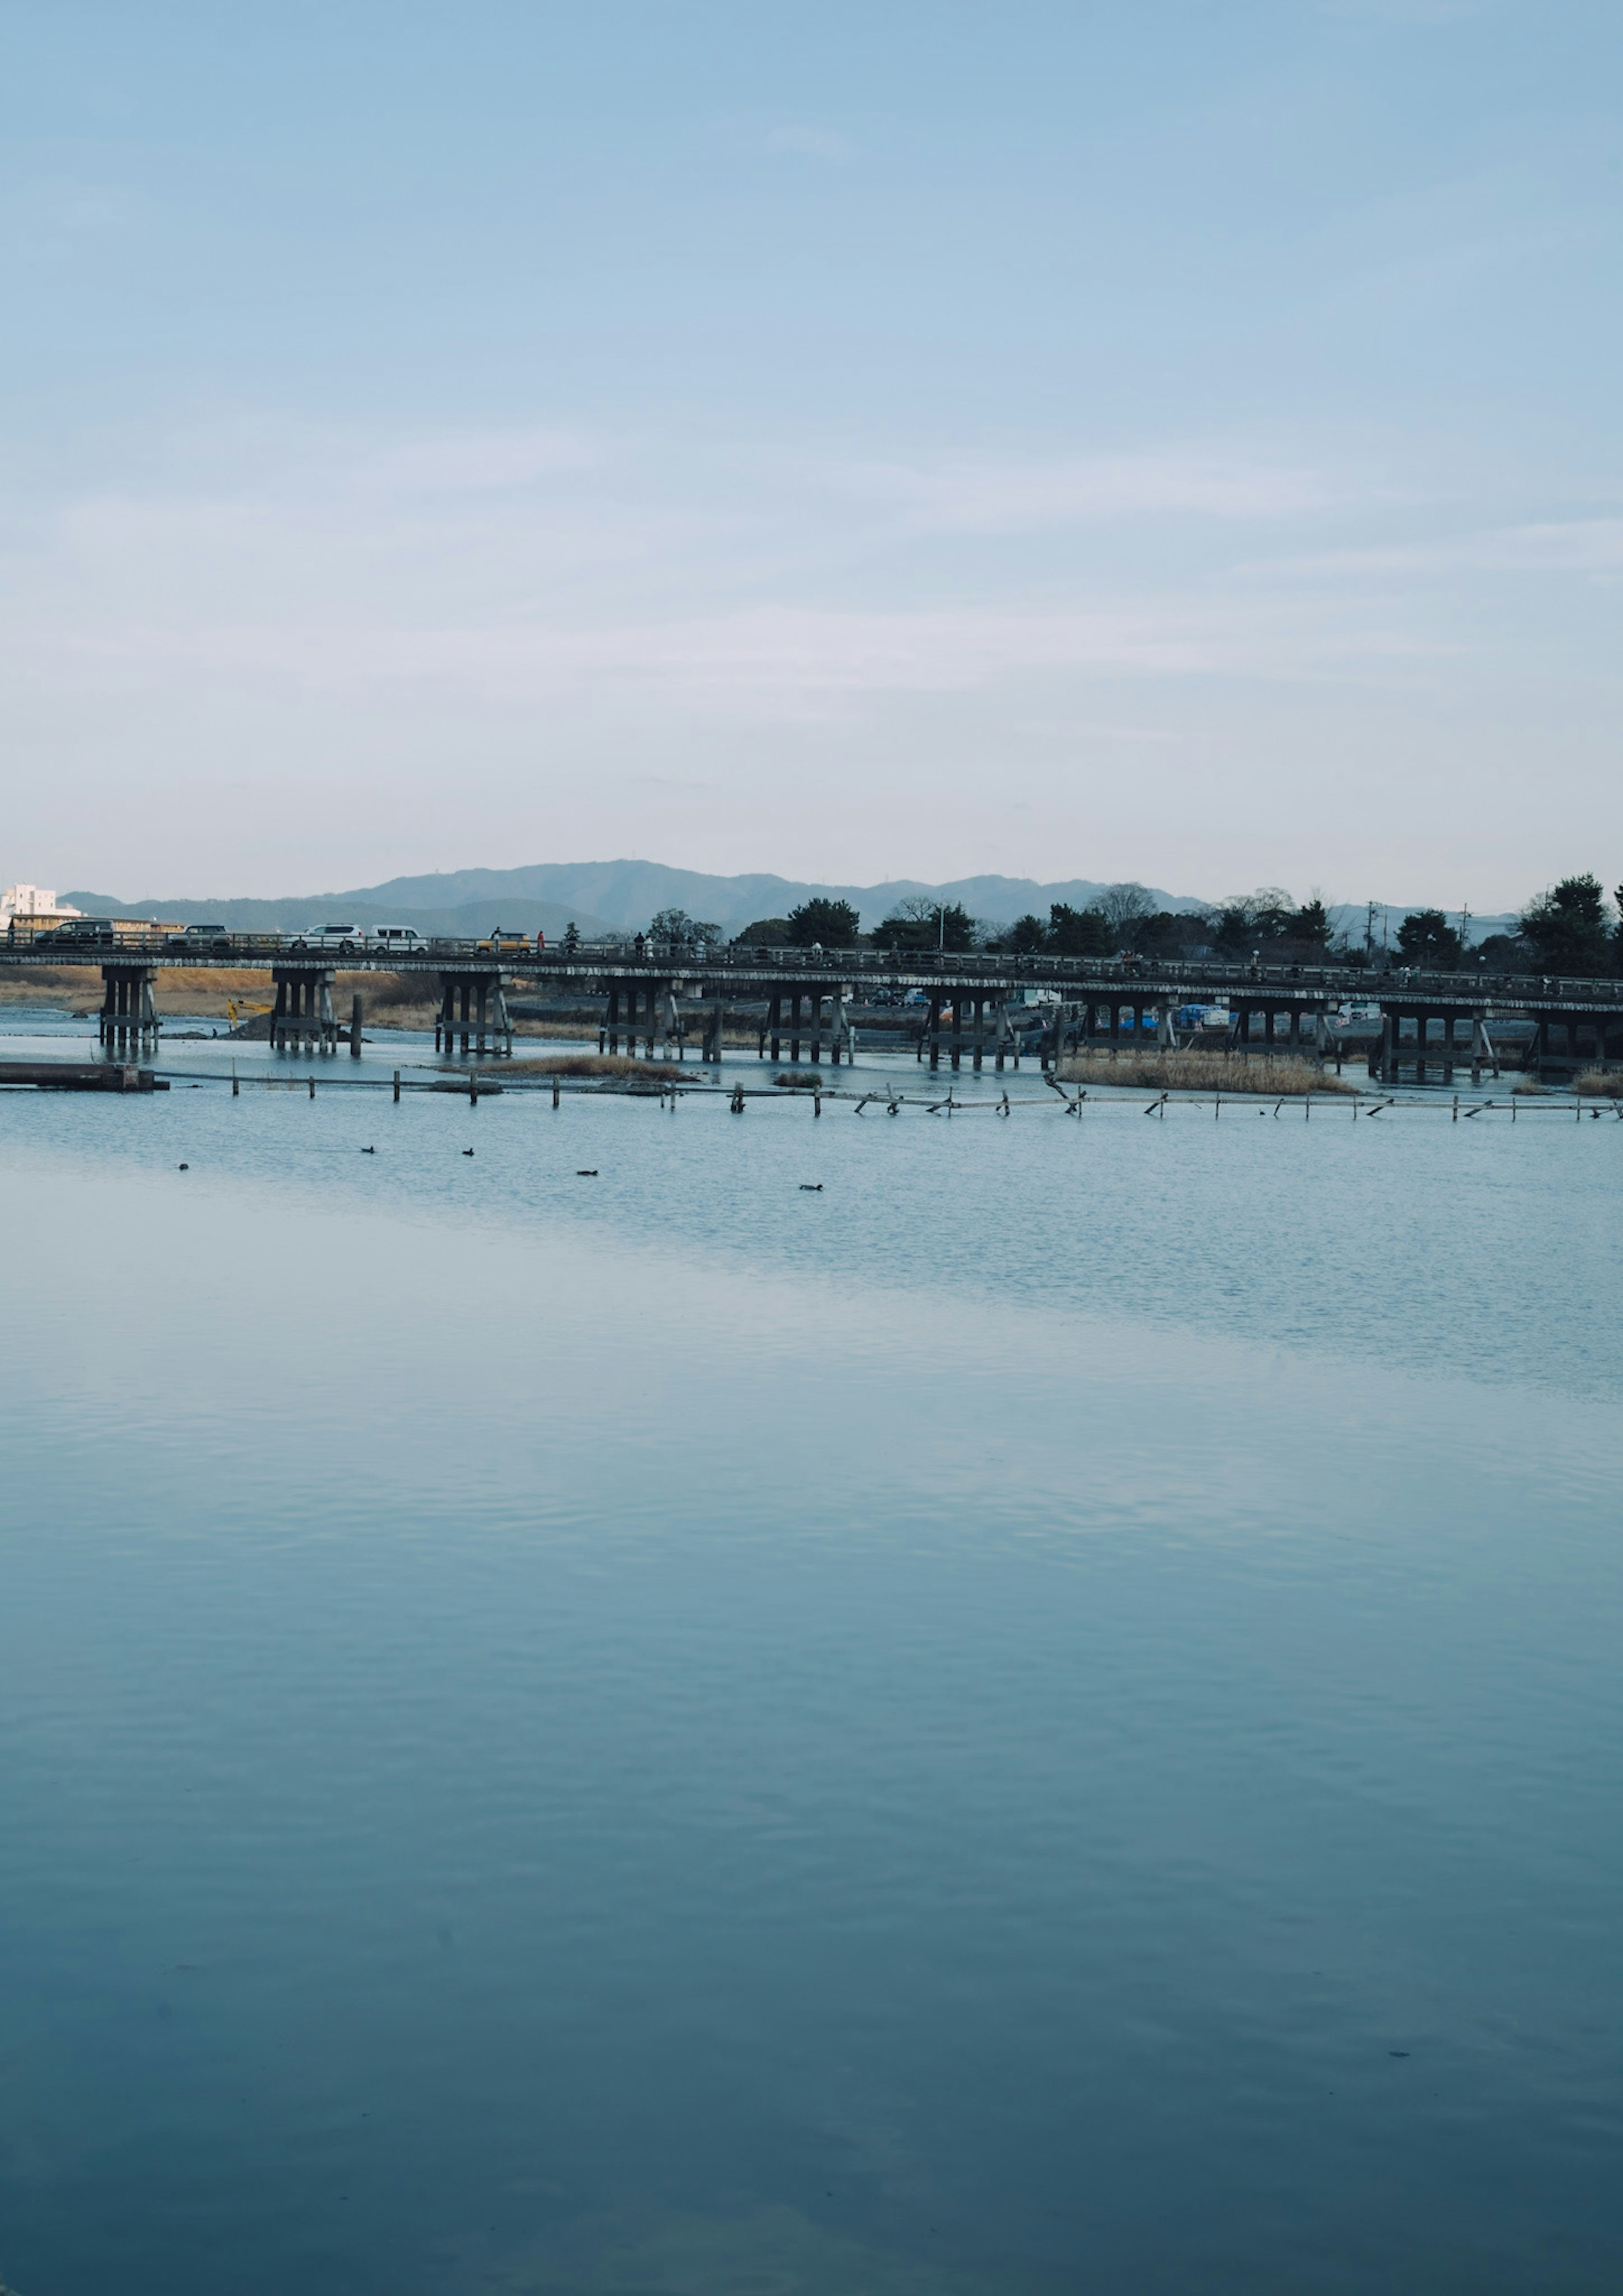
{"x":195,"y":938}
{"x":347,"y":937}
{"x":78,"y":930}
{"x":498,"y":938}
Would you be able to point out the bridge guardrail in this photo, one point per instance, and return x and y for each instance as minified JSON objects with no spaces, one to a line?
{"x":879,"y":966}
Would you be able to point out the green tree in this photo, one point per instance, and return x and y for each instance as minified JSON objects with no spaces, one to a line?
{"x":1569,"y":928}
{"x":1125,"y":907}
{"x":766,"y":932}
{"x":682,"y":932}
{"x":1246,"y":923}
{"x":920,"y":922}
{"x":1080,"y":933}
{"x":832,"y":924}
{"x":1310,"y":925}
{"x":1026,"y":936}
{"x":1504,"y":953}
{"x":1427,"y":940}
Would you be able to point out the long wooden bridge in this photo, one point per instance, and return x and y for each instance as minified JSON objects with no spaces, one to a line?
{"x":973,"y":1007}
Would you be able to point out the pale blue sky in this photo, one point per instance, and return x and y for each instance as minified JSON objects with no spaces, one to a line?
{"x":1174,"y":441}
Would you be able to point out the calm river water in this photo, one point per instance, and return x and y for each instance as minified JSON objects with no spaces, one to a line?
{"x":1043,"y":1719}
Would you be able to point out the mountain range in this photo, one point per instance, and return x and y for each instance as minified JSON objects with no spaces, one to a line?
{"x":605,"y":897}
{"x":600,"y":897}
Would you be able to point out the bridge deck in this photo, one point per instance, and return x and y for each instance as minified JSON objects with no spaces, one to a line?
{"x":736,"y":972}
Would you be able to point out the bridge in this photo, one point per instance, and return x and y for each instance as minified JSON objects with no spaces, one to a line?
{"x":664,"y":995}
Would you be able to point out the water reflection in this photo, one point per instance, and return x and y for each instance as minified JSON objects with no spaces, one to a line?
{"x":1044,"y":1718}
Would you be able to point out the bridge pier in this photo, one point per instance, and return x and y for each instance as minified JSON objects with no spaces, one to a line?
{"x":303,"y":1010}
{"x":129,"y":1012}
{"x":1056,"y":1048}
{"x":843,"y":1028}
{"x":483,"y":1014}
{"x":709,"y":1049}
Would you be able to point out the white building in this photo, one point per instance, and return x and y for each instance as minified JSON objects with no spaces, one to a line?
{"x":34,"y":903}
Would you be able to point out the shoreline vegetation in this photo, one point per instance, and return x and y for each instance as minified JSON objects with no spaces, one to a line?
{"x":391,"y":1001}
{"x":607,"y":1067}
{"x":1283,"y":1076}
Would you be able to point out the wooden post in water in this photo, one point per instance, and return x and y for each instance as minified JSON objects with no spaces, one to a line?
{"x":354,"y":1028}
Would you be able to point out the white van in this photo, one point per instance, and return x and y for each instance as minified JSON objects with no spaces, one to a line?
{"x":398,"y":941}
{"x":347,"y":937}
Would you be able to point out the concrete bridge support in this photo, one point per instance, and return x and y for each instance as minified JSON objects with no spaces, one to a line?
{"x":1053,"y":1049}
{"x":130,"y":1011}
{"x":482,"y":1013}
{"x":842,"y":1028}
{"x":710,"y":1050}
{"x":303,"y":1012}
{"x":624,"y":998}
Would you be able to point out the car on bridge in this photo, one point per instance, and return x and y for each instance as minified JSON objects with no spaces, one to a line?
{"x":80,"y":931}
{"x":398,"y":941}
{"x":345,"y":938}
{"x":198,"y":938}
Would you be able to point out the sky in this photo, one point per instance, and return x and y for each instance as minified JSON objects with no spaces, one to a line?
{"x":1177,"y":442}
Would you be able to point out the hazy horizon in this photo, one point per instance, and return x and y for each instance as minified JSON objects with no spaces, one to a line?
{"x":1178,"y":444}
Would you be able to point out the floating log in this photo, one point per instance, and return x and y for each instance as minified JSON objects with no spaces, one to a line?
{"x":80,"y":1076}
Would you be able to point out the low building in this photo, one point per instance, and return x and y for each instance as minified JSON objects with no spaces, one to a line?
{"x":31,"y":908}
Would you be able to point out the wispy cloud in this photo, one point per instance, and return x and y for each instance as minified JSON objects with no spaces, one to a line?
{"x":983,"y":496}
{"x":1579,"y":546}
{"x":52,"y":218}
{"x":828,"y":145}
{"x":481,"y":461}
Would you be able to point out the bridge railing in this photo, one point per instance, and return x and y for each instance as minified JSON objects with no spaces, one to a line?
{"x":859,"y":966}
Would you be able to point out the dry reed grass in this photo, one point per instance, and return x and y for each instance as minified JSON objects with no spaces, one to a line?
{"x":1600,"y":1084}
{"x":1204,"y":1072}
{"x":1530,"y":1088}
{"x":598,"y":1065}
{"x":799,"y":1080}
{"x":51,"y":984}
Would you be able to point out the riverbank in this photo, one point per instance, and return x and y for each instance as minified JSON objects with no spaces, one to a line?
{"x":1284,"y":1076}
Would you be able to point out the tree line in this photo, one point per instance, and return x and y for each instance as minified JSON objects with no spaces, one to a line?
{"x":1572,"y":928}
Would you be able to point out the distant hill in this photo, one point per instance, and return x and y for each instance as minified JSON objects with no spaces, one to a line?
{"x":606,"y":896}
{"x":465,"y":923}
{"x":601,"y":896}
{"x":628,"y":893}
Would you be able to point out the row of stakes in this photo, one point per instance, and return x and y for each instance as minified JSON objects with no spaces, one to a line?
{"x":893,"y":1102}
